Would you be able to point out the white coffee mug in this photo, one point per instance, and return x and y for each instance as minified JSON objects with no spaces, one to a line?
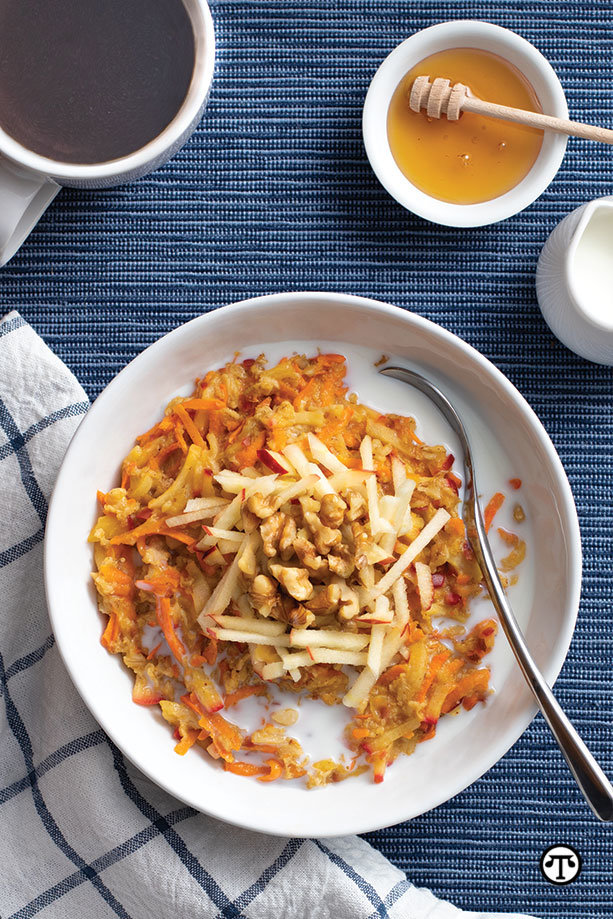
{"x":29,"y":182}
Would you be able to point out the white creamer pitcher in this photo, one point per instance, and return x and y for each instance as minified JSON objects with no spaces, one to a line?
{"x":574,"y":281}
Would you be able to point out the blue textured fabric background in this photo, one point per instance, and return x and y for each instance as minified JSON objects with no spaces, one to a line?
{"x":274,"y":192}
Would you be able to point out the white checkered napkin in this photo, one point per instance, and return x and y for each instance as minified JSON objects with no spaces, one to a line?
{"x":83,"y":834}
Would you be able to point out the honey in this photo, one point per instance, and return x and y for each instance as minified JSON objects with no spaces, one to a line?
{"x":475,"y":158}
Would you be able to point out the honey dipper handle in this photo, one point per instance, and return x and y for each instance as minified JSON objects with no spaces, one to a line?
{"x":537,"y":120}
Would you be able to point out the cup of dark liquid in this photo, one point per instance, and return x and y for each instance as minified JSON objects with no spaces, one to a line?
{"x":94,"y":93}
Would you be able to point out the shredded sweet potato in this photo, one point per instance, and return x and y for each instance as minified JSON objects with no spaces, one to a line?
{"x":492,"y":508}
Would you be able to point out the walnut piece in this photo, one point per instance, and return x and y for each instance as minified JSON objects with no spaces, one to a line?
{"x":341,"y":562}
{"x":260,"y":506}
{"x":287,"y":537}
{"x":306,"y":552}
{"x":250,"y":521}
{"x":308,"y":503}
{"x":325,"y":600}
{"x":324,"y":537}
{"x":270,"y":531}
{"x":349,"y":604}
{"x":278,"y":533}
{"x":362,"y":543}
{"x":263,"y":594}
{"x":294,"y":580}
{"x":357,"y":505}
{"x":299,"y":617}
{"x":332,"y":511}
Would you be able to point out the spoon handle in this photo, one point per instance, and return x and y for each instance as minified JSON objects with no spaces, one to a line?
{"x":592,"y":781}
{"x":590,"y":778}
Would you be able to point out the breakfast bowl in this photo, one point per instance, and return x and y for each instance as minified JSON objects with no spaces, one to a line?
{"x":510,"y":444}
{"x":465,"y":34}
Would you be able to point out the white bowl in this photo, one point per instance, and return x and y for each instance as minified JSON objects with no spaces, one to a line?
{"x":463,"y":34}
{"x":508,"y":441}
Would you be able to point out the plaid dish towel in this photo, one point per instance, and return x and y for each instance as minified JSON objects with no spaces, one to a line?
{"x":82,"y":832}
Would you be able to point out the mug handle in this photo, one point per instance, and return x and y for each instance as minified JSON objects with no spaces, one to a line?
{"x":24,"y":197}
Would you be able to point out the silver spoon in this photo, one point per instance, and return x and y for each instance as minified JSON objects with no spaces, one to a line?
{"x":592,"y":781}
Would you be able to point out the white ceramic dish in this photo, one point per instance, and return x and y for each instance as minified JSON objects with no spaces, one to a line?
{"x":463,"y":34}
{"x":508,"y":441}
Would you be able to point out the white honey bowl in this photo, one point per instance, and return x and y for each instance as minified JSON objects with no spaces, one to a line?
{"x":567,"y":281}
{"x":463,"y":34}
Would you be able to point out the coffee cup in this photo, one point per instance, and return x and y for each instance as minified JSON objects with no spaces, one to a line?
{"x":29,"y":180}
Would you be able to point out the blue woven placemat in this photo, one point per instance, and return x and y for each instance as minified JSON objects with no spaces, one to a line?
{"x":274,"y":192}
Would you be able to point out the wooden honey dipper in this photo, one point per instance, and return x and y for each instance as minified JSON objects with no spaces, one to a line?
{"x":440,"y":98}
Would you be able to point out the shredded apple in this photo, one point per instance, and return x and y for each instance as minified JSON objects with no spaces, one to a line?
{"x":270,"y":529}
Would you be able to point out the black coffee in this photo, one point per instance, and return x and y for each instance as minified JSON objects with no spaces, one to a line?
{"x":85,"y":81}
